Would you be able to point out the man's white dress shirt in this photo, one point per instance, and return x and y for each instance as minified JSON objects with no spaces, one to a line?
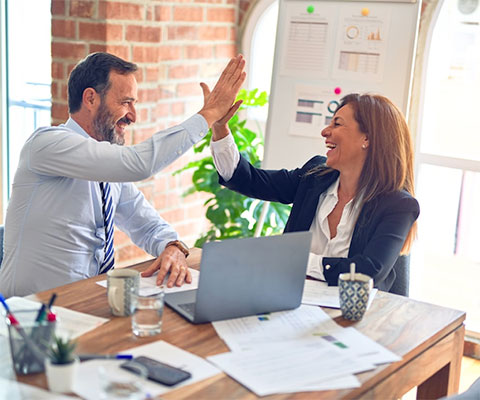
{"x":54,"y":228}
{"x":226,"y":157}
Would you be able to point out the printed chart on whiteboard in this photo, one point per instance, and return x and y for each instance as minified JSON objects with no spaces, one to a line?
{"x":314,"y":108}
{"x":361,"y":43}
{"x":307,"y":40}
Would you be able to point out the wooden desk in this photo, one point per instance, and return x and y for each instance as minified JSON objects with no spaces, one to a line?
{"x":429,"y":338}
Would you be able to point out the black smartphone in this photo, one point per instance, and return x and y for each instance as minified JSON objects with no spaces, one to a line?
{"x":158,"y":371}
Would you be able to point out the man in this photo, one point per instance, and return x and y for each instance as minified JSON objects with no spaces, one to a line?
{"x":73,"y":180}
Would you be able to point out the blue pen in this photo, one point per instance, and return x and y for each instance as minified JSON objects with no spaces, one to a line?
{"x":2,"y":300}
{"x":10,"y":315}
{"x":51,"y":301}
{"x":86,"y":357}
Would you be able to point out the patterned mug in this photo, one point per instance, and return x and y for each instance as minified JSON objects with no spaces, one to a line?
{"x":354,"y":295}
{"x":121,"y":285}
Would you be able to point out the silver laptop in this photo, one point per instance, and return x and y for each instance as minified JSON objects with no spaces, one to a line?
{"x":241,"y":277}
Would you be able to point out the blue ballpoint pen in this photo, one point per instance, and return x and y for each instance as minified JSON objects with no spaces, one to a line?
{"x":5,"y":305}
{"x":86,"y":357}
{"x":51,"y":301}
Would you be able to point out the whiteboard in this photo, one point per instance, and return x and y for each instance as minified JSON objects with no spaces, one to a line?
{"x":325,"y":50}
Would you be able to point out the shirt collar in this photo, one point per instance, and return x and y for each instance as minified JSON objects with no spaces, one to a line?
{"x":74,"y":126}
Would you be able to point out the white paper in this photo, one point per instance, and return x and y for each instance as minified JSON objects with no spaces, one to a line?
{"x":320,"y":294}
{"x":148,"y":285}
{"x":358,"y":345}
{"x":88,"y":384}
{"x":343,"y":382}
{"x":304,"y":325}
{"x":248,"y":332}
{"x":307,"y":40}
{"x":13,"y":390}
{"x":275,"y":369}
{"x":361,"y":44}
{"x":70,"y":324}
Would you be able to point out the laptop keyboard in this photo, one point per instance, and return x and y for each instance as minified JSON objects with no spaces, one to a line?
{"x":188,"y":307}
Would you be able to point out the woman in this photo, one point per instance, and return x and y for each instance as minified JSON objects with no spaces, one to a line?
{"x":358,"y":201}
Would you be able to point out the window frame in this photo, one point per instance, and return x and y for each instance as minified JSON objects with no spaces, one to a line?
{"x":247,"y":29}
{"x":3,"y":113}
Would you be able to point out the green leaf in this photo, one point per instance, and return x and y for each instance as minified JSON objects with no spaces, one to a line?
{"x":231,"y":214}
{"x":62,"y":350}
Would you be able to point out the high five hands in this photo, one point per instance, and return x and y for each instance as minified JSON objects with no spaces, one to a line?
{"x":219,"y":103}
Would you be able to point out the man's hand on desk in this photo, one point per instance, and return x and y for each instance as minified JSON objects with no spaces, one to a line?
{"x":171,"y":260}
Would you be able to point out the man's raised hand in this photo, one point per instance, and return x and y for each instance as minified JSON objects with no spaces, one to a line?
{"x":219,"y":102}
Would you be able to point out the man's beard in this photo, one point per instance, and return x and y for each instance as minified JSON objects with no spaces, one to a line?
{"x":104,"y":126}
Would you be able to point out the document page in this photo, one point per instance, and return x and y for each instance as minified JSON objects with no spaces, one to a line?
{"x":358,"y":345}
{"x":149,"y":287}
{"x":320,"y":294}
{"x":303,"y":322}
{"x":279,"y":368}
{"x":302,"y":325}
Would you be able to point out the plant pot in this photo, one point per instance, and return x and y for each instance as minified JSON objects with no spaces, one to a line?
{"x":61,"y":377}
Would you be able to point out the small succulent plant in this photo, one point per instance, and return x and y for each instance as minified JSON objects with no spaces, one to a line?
{"x":62,"y":350}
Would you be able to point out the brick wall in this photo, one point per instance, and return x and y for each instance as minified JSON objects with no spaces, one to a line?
{"x":176,"y":44}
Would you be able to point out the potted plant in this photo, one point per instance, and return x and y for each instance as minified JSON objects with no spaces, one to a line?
{"x":61,"y":365}
{"x":231,"y":214}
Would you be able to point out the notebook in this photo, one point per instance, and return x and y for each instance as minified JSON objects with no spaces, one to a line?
{"x":241,"y":277}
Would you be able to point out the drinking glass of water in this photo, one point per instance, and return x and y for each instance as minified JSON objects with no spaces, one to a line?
{"x":119,"y":384}
{"x":147,"y":314}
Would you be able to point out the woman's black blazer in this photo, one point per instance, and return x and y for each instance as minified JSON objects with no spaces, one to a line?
{"x":380,"y":230}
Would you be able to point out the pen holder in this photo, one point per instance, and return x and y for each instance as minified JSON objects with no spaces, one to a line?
{"x":29,"y":341}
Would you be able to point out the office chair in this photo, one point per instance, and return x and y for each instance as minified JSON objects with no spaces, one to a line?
{"x":402,"y":281}
{"x":472,"y":393}
{"x":1,"y":244}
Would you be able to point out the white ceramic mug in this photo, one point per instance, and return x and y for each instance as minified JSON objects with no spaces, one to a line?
{"x":121,"y":284}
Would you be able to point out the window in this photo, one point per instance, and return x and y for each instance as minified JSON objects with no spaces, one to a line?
{"x":26,"y":64}
{"x":445,"y":260}
{"x":258,"y":39}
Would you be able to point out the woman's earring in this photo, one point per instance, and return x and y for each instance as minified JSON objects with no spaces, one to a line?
{"x":364,"y":146}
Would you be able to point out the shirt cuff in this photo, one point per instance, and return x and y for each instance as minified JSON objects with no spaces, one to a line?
{"x":222,"y":144}
{"x":197,"y":126}
{"x":315,"y":266}
{"x":225,"y":156}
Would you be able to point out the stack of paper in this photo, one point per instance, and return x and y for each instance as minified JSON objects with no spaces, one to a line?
{"x":297,"y":350}
{"x":149,"y":287}
{"x":89,"y":385}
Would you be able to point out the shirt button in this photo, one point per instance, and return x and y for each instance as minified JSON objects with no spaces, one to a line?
{"x":327,"y":267}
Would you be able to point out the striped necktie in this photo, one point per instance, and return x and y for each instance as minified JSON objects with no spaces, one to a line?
{"x":107,"y":206}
